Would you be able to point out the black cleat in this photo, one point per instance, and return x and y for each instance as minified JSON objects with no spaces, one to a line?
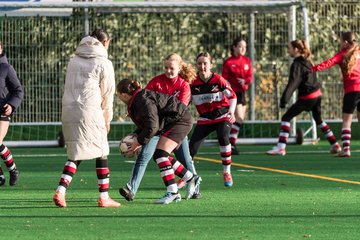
{"x":196,"y":195}
{"x":126,"y":193}
{"x":2,"y":180}
{"x":234,"y":150}
{"x":14,"y":176}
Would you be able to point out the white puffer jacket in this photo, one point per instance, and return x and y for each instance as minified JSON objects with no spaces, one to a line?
{"x":87,"y":103}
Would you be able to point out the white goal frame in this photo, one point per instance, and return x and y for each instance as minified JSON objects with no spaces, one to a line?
{"x":246,"y":6}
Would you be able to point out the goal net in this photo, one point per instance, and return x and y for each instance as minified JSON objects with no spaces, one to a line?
{"x":39,"y":37}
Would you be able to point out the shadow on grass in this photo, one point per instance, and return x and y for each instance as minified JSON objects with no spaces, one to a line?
{"x":180,"y":216}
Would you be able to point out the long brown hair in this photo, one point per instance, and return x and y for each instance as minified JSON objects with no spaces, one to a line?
{"x":303,"y":48}
{"x":187,"y":71}
{"x":128,"y":86}
{"x":349,"y":59}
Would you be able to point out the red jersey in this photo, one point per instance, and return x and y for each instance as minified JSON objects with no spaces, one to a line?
{"x":351,"y":81}
{"x":237,"y":67}
{"x":213,"y":99}
{"x":177,"y":87}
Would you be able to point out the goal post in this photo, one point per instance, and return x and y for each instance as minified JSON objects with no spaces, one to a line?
{"x":242,"y":18}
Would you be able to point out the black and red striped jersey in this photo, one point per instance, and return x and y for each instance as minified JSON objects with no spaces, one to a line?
{"x":213,"y":99}
{"x":176,"y":87}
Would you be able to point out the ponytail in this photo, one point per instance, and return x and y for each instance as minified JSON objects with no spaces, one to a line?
{"x":128,"y":86}
{"x":349,"y":59}
{"x":303,"y":48}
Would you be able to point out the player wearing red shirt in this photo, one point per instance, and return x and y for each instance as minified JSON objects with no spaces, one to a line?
{"x":215,"y":102}
{"x":237,"y":69}
{"x":176,"y":86}
{"x":175,"y":82}
{"x":349,"y":61}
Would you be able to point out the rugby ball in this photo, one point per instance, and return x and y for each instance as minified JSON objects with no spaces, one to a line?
{"x":126,"y":143}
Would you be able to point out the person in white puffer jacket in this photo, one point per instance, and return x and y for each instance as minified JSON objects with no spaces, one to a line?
{"x":87,"y":109}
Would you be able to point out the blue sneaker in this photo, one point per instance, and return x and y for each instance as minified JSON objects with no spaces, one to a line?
{"x":169,"y":198}
{"x":228,"y":182}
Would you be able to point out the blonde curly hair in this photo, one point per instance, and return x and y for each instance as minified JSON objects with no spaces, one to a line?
{"x":187,"y":71}
{"x":349,"y":59}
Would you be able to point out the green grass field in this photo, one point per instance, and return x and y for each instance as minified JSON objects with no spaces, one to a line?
{"x":321,"y":202}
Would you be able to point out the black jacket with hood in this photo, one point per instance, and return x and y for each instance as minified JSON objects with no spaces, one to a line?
{"x":11,"y":91}
{"x":153,"y":111}
{"x":301,"y":78}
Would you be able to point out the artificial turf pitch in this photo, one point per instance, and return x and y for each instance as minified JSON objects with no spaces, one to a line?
{"x":321,"y":201}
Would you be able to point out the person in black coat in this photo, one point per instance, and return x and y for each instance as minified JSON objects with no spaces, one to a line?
{"x":161,"y":114}
{"x":11,"y":95}
{"x":309,"y":97}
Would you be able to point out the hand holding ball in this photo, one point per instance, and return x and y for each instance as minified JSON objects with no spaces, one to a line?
{"x":128,"y":146}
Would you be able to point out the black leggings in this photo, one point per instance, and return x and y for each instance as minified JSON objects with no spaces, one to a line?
{"x":313,"y":105}
{"x":202,"y":131}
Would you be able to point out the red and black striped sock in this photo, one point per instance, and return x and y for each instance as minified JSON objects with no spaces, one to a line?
{"x":328,"y":133}
{"x":225,"y":153}
{"x":7,"y":157}
{"x":103,"y":175}
{"x":161,"y":158}
{"x":67,"y":175}
{"x":180,"y":170}
{"x":234,"y":132}
{"x":284,"y":134}
{"x":345,"y":138}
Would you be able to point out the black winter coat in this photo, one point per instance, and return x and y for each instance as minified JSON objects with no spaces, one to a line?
{"x":153,"y":111}
{"x":301,"y":78}
{"x":11,"y":91}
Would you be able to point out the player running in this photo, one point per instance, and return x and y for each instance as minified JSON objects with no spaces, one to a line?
{"x":215,"y":102}
{"x":309,"y":97}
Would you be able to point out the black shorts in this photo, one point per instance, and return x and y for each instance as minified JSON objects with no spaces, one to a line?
{"x":4,"y":118}
{"x":301,"y":105}
{"x":177,"y":131}
{"x":202,"y":131}
{"x":350,"y":102}
{"x":241,"y":98}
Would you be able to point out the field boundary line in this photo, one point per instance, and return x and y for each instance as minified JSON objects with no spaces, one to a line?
{"x":282,"y":171}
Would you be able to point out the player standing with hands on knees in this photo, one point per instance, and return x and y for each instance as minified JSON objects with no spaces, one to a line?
{"x":309,"y":97}
{"x":349,"y":61}
{"x":160,"y":114}
{"x":87,"y":109}
{"x":11,"y":95}
{"x":237,"y":69}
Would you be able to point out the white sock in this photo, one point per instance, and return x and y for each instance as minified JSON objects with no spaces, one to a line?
{"x":61,"y":189}
{"x":227,"y":168}
{"x":104,"y":195}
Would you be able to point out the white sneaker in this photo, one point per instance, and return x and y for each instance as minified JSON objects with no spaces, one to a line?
{"x":192,"y":185}
{"x":169,"y":197}
{"x":277,"y":151}
{"x":335,"y":149}
{"x":344,"y":154}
